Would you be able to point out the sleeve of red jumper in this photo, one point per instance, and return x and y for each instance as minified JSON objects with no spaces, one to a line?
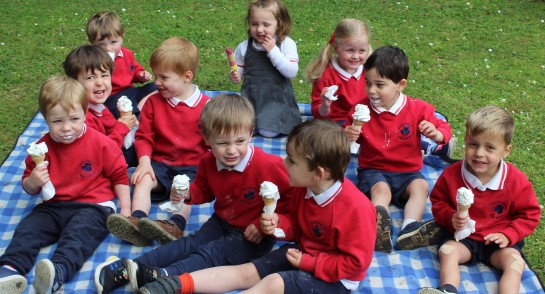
{"x":137,"y":67}
{"x":145,"y":134}
{"x":355,"y":227}
{"x":442,"y":207}
{"x":114,"y":164}
{"x":441,"y":125}
{"x":200,"y":189}
{"x":525,"y":211}
{"x":316,"y":96}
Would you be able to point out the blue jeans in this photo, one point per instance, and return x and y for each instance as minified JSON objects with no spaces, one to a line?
{"x":78,"y":228}
{"x":215,"y":243}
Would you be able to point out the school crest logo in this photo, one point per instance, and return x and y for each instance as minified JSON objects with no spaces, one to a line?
{"x":498,"y":210}
{"x":248,"y":196}
{"x":86,"y":169}
{"x":317,"y":230}
{"x":405,"y":131}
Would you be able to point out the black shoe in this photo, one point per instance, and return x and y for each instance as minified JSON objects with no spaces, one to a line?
{"x":47,"y":277}
{"x":111,"y":274}
{"x":420,"y":234}
{"x":165,"y":285}
{"x":383,"y":242}
{"x":11,"y":281}
{"x":142,"y":275}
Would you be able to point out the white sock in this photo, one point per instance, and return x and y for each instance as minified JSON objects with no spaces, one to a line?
{"x":406,"y":222}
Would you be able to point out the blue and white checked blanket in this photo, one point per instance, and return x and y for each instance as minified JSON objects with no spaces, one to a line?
{"x":397,"y":272}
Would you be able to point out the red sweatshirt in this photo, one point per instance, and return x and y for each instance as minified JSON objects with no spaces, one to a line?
{"x":84,"y":171}
{"x":170,"y":133}
{"x":335,"y":230}
{"x":508,"y":206}
{"x":351,"y":92}
{"x":105,"y":123}
{"x":126,"y":71}
{"x":236,"y":191}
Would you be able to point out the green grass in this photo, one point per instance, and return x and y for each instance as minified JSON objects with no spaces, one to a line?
{"x":463,"y":55}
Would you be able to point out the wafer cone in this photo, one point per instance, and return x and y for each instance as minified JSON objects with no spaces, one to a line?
{"x":38,"y":159}
{"x":358,"y":123}
{"x":270,"y":205}
{"x":463,"y":209}
{"x":125,"y":113}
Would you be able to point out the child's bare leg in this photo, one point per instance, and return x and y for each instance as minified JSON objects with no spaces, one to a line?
{"x":140,"y":104}
{"x":225,"y":278}
{"x":185,"y":212}
{"x":141,"y":197}
{"x":418,"y":195}
{"x":510,"y":261}
{"x":451,"y":254}
{"x":271,"y":284}
{"x":381,"y":194}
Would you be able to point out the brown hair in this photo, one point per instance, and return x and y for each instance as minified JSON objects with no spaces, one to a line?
{"x":103,"y":25}
{"x":87,"y":58}
{"x":324,"y":144}
{"x":280,"y":13}
{"x":177,"y":54}
{"x":227,"y":114}
{"x":64,"y":91}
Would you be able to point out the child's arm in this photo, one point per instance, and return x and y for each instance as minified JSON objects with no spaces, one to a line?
{"x":143,"y":168}
{"x":252,"y":234}
{"x":124,"y":196}
{"x":286,"y":61}
{"x":37,"y":178}
{"x":427,"y":129}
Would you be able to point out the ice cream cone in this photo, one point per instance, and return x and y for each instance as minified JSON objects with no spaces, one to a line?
{"x":463,"y":209}
{"x":125,"y":113}
{"x":38,"y":159}
{"x":269,"y":201}
{"x":358,"y":123}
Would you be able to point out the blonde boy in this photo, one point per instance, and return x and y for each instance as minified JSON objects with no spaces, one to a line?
{"x":105,"y":29}
{"x":505,"y":206}
{"x":168,"y":142}
{"x":88,"y":171}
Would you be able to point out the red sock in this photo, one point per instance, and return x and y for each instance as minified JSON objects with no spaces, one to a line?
{"x":187,"y":283}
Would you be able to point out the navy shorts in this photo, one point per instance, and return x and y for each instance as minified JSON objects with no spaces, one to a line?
{"x":164,"y":174}
{"x":398,"y":182}
{"x":480,"y":252}
{"x":295,"y":280}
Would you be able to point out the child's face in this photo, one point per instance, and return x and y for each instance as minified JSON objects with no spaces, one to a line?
{"x":262,"y":23}
{"x":171,"y":84}
{"x":97,"y":84}
{"x":298,"y":169}
{"x":65,"y":127}
{"x":382,"y":92}
{"x":230,"y":150}
{"x":110,"y":44}
{"x":352,"y":53}
{"x":483,"y":154}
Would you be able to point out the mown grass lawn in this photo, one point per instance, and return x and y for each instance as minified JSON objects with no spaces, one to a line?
{"x":463,"y":55}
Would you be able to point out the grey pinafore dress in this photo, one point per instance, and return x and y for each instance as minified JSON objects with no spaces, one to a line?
{"x":270,"y":92}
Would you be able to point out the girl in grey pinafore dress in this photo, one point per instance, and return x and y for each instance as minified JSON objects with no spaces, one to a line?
{"x":270,"y":92}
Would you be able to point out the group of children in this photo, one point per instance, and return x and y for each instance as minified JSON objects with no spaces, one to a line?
{"x":334,"y":225}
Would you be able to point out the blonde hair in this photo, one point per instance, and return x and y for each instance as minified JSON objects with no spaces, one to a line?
{"x":64,"y":91}
{"x":104,"y":25}
{"x":227,"y":114}
{"x":491,"y":120}
{"x":322,"y":143}
{"x":280,"y":13}
{"x":177,"y":54}
{"x":345,"y":30}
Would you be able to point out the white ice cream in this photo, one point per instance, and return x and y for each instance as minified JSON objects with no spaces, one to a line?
{"x":331,"y":91}
{"x":180,"y":183}
{"x":361,"y":113}
{"x":464,"y":196}
{"x":37,"y":149}
{"x":269,"y":190}
{"x":124,"y":104}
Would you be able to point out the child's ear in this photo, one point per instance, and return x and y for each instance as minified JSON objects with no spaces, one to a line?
{"x":507,"y":151}
{"x":401,"y":85}
{"x":188,"y":76}
{"x":322,"y":174}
